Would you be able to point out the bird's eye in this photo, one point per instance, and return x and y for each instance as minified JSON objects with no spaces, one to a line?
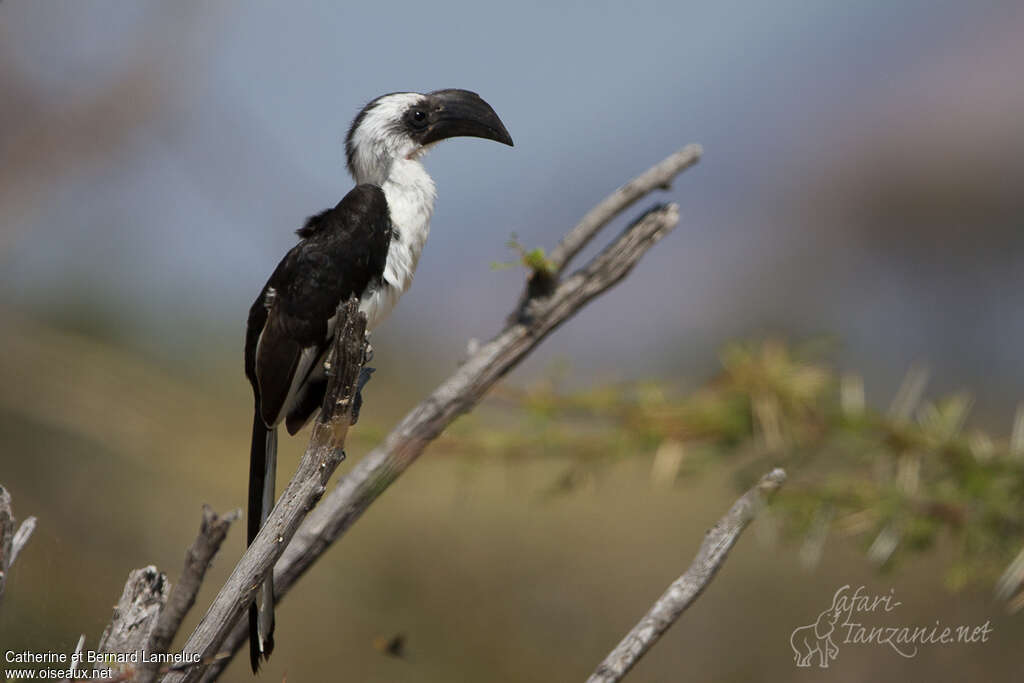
{"x":418,"y":117}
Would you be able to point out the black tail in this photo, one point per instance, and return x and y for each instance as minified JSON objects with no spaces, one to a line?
{"x":262,"y":472}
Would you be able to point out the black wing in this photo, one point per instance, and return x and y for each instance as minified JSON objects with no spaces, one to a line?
{"x":343,"y":252}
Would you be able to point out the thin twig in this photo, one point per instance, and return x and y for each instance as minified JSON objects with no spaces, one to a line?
{"x":324,"y":454}
{"x":542,"y":282}
{"x":11,"y":541}
{"x":76,"y":663}
{"x":1010,"y":582}
{"x":684,"y":590}
{"x":457,"y":395}
{"x":6,"y":537}
{"x":212,"y":531}
{"x":657,"y":177}
{"x":21,"y":537}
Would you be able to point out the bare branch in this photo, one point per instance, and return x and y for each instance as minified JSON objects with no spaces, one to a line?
{"x":136,"y":613}
{"x":542,"y":282}
{"x":75,"y":664}
{"x":6,"y":537}
{"x":455,"y":396}
{"x":212,"y":531}
{"x":318,"y":463}
{"x":688,"y":587}
{"x":21,"y":537}
{"x":657,"y":177}
{"x":11,"y":541}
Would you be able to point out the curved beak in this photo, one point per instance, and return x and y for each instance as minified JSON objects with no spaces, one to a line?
{"x":461,"y":113}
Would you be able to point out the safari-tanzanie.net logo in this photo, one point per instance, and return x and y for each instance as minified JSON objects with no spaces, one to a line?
{"x":856,"y":617}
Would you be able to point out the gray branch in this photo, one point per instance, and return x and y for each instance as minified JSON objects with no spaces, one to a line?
{"x":6,"y":537}
{"x":542,"y":282}
{"x":11,"y":541}
{"x":212,"y":531}
{"x":688,"y":587}
{"x":78,"y":651}
{"x":324,"y":454}
{"x":136,"y":613}
{"x":74,"y":665}
{"x":464,"y":389}
{"x":656,"y":177}
{"x":21,"y":537}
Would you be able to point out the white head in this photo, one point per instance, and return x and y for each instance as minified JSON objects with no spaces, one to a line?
{"x":404,"y":125}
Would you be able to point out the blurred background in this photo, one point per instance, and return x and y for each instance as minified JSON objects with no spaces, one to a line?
{"x":862,"y":183}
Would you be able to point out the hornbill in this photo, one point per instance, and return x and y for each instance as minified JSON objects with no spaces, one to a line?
{"x":368,"y":246}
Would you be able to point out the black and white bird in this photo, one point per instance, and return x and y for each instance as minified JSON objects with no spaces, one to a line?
{"x":368,"y":245}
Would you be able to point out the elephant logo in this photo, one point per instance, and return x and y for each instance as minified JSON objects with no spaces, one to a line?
{"x":816,"y":638}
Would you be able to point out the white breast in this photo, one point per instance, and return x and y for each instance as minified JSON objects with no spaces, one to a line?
{"x":410,"y":194}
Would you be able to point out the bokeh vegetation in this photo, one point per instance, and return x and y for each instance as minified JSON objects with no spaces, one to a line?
{"x":550,"y":511}
{"x":893,"y":480}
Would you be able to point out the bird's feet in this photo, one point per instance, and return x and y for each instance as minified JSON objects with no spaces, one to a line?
{"x":357,"y":402}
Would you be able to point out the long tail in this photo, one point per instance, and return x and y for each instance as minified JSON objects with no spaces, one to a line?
{"x":262,"y":472}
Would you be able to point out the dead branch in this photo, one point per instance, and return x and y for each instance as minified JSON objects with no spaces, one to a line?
{"x":657,"y":177}
{"x":21,"y":537}
{"x":541,"y":283}
{"x":688,"y":587}
{"x":75,"y":664}
{"x":467,"y":385}
{"x":11,"y":541}
{"x":6,"y":537}
{"x":212,"y":531}
{"x":136,"y":613}
{"x":324,"y":454}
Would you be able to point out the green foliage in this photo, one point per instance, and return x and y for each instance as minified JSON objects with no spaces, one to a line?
{"x":905,"y":480}
{"x":535,"y":260}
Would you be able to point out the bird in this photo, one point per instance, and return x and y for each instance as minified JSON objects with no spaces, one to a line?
{"x":367,"y":246}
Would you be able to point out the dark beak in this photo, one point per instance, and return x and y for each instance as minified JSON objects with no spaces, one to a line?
{"x":461,"y":113}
